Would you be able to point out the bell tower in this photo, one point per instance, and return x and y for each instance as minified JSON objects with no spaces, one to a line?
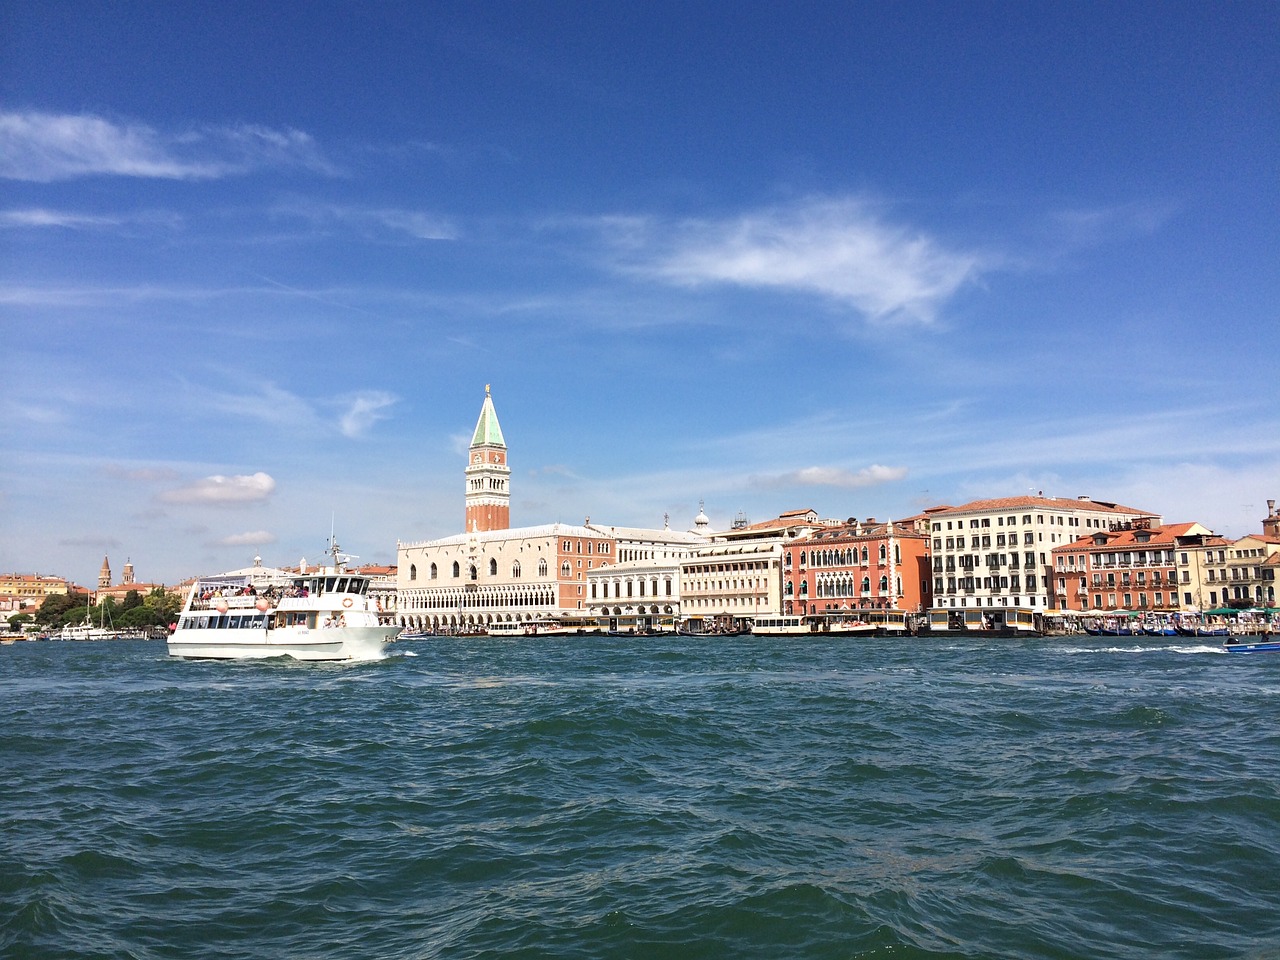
{"x":104,"y":575}
{"x":488,"y":476}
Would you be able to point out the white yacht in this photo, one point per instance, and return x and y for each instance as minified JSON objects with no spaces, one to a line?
{"x":325,"y":614}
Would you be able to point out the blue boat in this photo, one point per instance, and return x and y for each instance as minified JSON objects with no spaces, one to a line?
{"x":1265,"y":645}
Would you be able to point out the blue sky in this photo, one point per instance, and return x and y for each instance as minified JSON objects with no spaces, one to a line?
{"x":258,"y":262}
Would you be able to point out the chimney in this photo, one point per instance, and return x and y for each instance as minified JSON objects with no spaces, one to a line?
{"x":1271,"y":525}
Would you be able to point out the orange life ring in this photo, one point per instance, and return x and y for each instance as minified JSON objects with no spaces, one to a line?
{"x":346,"y":602}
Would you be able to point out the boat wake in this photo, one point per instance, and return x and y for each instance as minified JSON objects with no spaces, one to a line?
{"x":1159,"y":648}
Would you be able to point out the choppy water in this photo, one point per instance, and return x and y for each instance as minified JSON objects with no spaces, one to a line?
{"x":475,"y":798}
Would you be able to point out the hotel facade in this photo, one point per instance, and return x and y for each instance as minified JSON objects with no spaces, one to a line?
{"x":998,"y":552}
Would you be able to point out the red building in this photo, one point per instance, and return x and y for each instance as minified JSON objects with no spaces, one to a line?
{"x":1132,"y":567}
{"x":859,"y":565}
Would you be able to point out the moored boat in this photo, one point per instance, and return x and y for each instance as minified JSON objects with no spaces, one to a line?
{"x":326,"y":614}
{"x":550,"y":626}
{"x":782,"y":626}
{"x":985,"y":622}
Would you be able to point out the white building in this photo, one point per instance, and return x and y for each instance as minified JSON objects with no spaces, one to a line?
{"x":641,"y":591}
{"x":464,"y":583}
{"x":997,"y":553}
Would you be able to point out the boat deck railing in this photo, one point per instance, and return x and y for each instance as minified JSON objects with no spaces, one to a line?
{"x":240,"y":602}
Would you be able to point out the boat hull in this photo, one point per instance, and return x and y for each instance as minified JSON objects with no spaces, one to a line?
{"x":339,"y":643}
{"x":1262,"y":646}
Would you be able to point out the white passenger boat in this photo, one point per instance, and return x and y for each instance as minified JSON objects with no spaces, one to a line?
{"x":781,"y":626}
{"x":987,"y":621}
{"x":326,"y":614}
{"x":549,"y":626}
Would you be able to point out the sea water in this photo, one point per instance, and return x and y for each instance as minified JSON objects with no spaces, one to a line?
{"x":669,"y":797}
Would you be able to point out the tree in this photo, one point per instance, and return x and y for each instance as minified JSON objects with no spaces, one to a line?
{"x":60,"y":608}
{"x":165,"y":604}
{"x":17,"y":620}
{"x":131,"y":599}
{"x":139,"y":616}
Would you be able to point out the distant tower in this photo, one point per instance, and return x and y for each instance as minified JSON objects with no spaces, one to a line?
{"x":104,"y":574}
{"x":1271,"y":525}
{"x":127,"y":575}
{"x":488,"y":476}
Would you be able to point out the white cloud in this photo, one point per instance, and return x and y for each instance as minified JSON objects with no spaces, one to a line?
{"x":223,"y":490}
{"x":44,"y":147}
{"x":364,"y":411}
{"x":252,"y":538}
{"x":832,"y":477}
{"x":840,"y":249}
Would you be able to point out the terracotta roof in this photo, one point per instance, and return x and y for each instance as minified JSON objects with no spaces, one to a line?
{"x":1041,"y":503}
{"x":870,"y":531}
{"x":1162,"y":536}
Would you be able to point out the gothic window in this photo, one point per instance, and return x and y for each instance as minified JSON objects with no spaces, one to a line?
{"x":565,"y":569}
{"x":515,"y":570}
{"x":457,"y":570}
{"x":866,"y":584}
{"x":542,"y":567}
{"x":413,"y":571}
{"x":433,"y":571}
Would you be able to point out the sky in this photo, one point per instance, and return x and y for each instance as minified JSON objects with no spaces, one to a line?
{"x":258,"y":263}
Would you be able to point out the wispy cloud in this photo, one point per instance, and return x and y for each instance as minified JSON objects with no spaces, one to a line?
{"x":372,"y":221}
{"x":364,"y":411}
{"x":1081,"y":226}
{"x":37,"y":217}
{"x":831,"y":477}
{"x":142,"y":474}
{"x":223,"y":490}
{"x":44,"y":147}
{"x":252,"y":538}
{"x":42,"y":218}
{"x":842,"y":249}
